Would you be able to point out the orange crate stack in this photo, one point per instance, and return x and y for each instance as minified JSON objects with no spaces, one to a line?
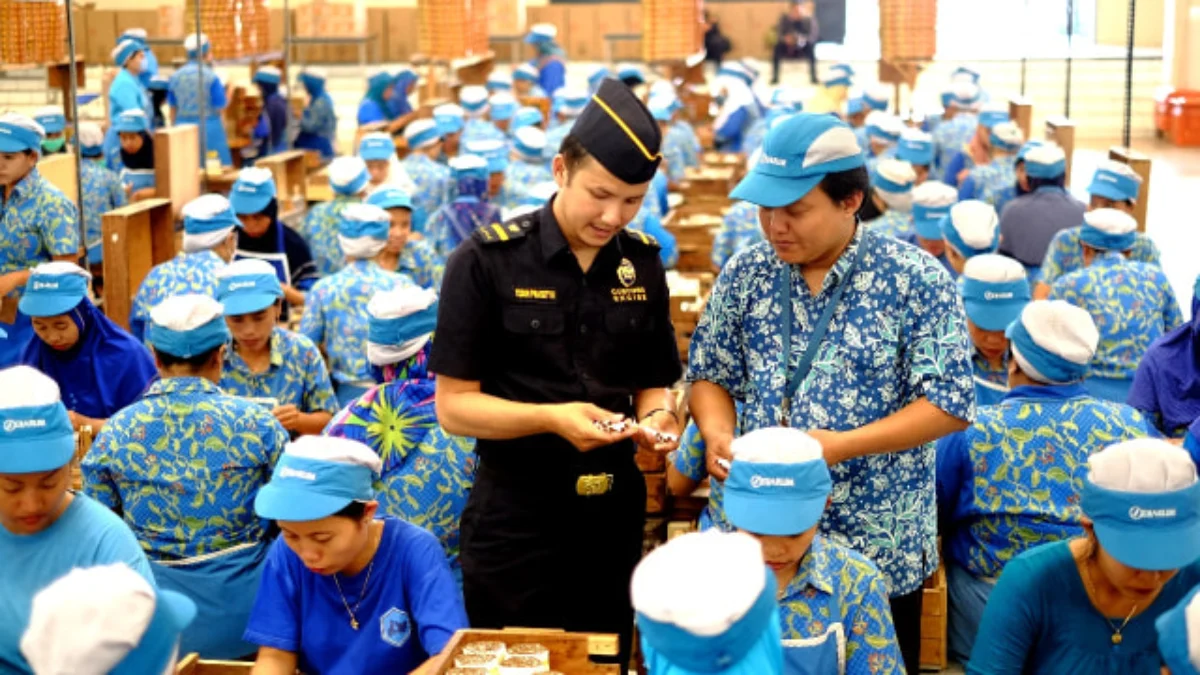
{"x":34,"y":31}
{"x":671,"y":29}
{"x":233,"y":27}
{"x":907,"y":29}
{"x":453,"y":29}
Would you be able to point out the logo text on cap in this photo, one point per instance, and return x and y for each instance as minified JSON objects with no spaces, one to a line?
{"x":770,"y":481}
{"x":773,"y":160}
{"x":237,"y":285}
{"x":13,"y":425}
{"x":288,"y":472}
{"x":45,"y":285}
{"x":993,"y":295}
{"x":1138,"y":513}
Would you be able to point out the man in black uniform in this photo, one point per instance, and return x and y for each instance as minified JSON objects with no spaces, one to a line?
{"x":550,"y":328}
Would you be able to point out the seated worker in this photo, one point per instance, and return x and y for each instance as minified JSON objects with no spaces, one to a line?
{"x":391,"y":621}
{"x":335,"y":314}
{"x":551,"y":59}
{"x":209,"y":241}
{"x":405,"y":253}
{"x":525,"y":82}
{"x":994,"y":290}
{"x":349,"y":177}
{"x":1088,"y":605}
{"x":374,"y":111}
{"x":1166,"y":387}
{"x":569,"y":105}
{"x":431,"y":179}
{"x":470,"y":210}
{"x":1114,"y":186}
{"x":526,"y":169}
{"x":501,"y":108}
{"x":734,"y":630}
{"x":525,"y":116}
{"x":499,"y":82}
{"x":280,"y":370}
{"x":1010,"y":482}
{"x":98,"y":367}
{"x":400,"y":109}
{"x":738,"y":107}
{"x":970,"y":229}
{"x":916,"y":148}
{"x":1131,"y":302}
{"x":1030,"y":221}
{"x":892,"y":185}
{"x":190,"y":506}
{"x":126,"y":92}
{"x":834,"y":606}
{"x":263,"y":237}
{"x":427,"y":472}
{"x":977,"y":151}
{"x":992,"y":182}
{"x":495,"y":153}
{"x":883,"y":133}
{"x":137,"y":155}
{"x":474,"y":102}
{"x":796,"y":38}
{"x":54,"y":123}
{"x":274,"y":114}
{"x":932,"y":201}
{"x":105,"y":619}
{"x":46,"y":529}
{"x":451,"y":119}
{"x":959,"y":127}
{"x":378,"y":152}
{"x":318,"y":122}
{"x":102,"y":190}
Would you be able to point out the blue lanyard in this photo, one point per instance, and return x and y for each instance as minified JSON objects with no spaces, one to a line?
{"x":784,"y":293}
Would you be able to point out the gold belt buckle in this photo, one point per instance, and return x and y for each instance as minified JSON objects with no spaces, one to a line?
{"x":593,"y":485}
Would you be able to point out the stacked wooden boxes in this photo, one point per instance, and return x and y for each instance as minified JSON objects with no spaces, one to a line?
{"x":453,"y":29}
{"x":933,"y":622}
{"x":34,"y":31}
{"x":689,"y":291}
{"x":235,"y":28}
{"x":907,"y":29}
{"x":332,"y":19}
{"x":672,"y":30}
{"x":506,"y":17}
{"x":654,"y":469}
{"x":726,"y":160}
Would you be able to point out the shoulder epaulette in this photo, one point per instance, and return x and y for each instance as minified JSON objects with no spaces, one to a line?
{"x":638,"y":235}
{"x":501,"y":232}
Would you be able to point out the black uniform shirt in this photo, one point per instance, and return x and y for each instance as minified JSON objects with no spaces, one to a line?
{"x":518,"y":315}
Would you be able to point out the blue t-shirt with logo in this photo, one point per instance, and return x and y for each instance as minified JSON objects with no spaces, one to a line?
{"x":410,"y":607}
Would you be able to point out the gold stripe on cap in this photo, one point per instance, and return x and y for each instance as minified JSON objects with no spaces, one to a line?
{"x":624,"y":127}
{"x":500,"y":232}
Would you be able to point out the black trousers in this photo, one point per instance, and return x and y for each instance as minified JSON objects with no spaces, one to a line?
{"x":783,"y":51}
{"x":537,"y":555}
{"x":906,"y":615}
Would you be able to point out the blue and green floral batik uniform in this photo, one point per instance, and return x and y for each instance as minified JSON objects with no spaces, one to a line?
{"x":320,"y":230}
{"x":296,"y":375}
{"x":740,"y":229}
{"x":991,"y":382}
{"x":1011,"y":481}
{"x":335,"y":317}
{"x":1132,"y":304}
{"x":102,"y":192}
{"x":38,"y":222}
{"x":182,"y":465}
{"x":949,"y":138}
{"x":991,"y":183}
{"x":836,"y":585}
{"x":433,"y":182}
{"x":519,"y":178}
{"x":185,"y":273}
{"x":899,"y":335}
{"x":419,"y":261}
{"x":894,"y":224}
{"x":688,"y":460}
{"x":427,"y":473}
{"x":188,"y":85}
{"x":481,"y":130}
{"x":1066,"y":254}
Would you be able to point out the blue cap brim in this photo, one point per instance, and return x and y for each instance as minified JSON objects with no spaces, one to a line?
{"x":173,"y":613}
{"x":1152,"y":549}
{"x":245,"y":204}
{"x":929,"y":229}
{"x":275,"y":503}
{"x":773,"y":516}
{"x":773,"y":192}
{"x":374,"y":155}
{"x":9,"y":144}
{"x":993,"y":316}
{"x":47,"y":305}
{"x":247,"y":303}
{"x":50,"y":454}
{"x":1107,"y":190}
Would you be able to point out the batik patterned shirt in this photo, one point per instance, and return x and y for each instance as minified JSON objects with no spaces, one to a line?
{"x":296,"y":375}
{"x":320,"y":230}
{"x":991,"y":182}
{"x":899,"y":335}
{"x":1011,"y":481}
{"x":1066,"y":253}
{"x":420,"y":262}
{"x":688,"y":460}
{"x":38,"y":222}
{"x":182,"y":465}
{"x":185,"y":273}
{"x":185,"y":90}
{"x":740,"y":229}
{"x":893,"y":223}
{"x":102,"y":192}
{"x":433,"y":183}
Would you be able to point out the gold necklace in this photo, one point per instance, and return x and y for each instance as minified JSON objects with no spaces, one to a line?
{"x":1117,"y":638}
{"x":362,"y":594}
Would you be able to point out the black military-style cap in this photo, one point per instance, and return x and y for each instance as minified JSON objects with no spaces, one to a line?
{"x":618,"y":130}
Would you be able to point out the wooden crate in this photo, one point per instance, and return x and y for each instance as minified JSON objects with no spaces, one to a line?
{"x":656,"y":492}
{"x":290,"y":170}
{"x":708,"y":182}
{"x":569,"y":652}
{"x":1141,"y":166}
{"x":1061,"y":130}
{"x":192,"y":665}
{"x":176,"y":165}
{"x":1020,"y":111}
{"x":135,"y":238}
{"x":934,"y":611}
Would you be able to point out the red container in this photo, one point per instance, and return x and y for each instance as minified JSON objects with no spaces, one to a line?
{"x":1183,"y":127}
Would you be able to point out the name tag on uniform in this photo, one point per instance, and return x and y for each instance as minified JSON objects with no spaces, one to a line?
{"x":633,"y":294}
{"x":535,"y":294}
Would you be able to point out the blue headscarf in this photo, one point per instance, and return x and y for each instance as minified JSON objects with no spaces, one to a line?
{"x":398,"y":105}
{"x":105,"y":371}
{"x":1175,"y":362}
{"x":378,"y":87}
{"x":314,"y":85}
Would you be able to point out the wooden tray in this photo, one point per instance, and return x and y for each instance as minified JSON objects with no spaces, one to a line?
{"x":192,"y":665}
{"x":569,"y":652}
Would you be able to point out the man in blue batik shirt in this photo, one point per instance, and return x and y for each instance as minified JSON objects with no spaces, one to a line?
{"x":1011,"y":481}
{"x":883,"y":372}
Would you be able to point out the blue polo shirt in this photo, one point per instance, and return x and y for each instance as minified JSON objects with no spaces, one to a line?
{"x":408,"y":609}
{"x":1029,"y":222}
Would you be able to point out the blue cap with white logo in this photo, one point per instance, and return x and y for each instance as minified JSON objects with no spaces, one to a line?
{"x":494,"y":151}
{"x":855,"y":106}
{"x":525,"y":116}
{"x":1116,"y":181}
{"x":186,"y":326}
{"x":253,"y":191}
{"x":450,"y":118}
{"x":972,"y":228}
{"x":796,"y":155}
{"x":526,"y":73}
{"x":247,"y":286}
{"x":375,"y":147}
{"x":931,"y":204}
{"x":19,"y":133}
{"x":131,"y":122}
{"x":391,"y":198}
{"x":530,"y":142}
{"x":54,"y":288}
{"x":990,"y":117}
{"x":316,"y":477}
{"x":778,"y":483}
{"x":35,"y":430}
{"x":52,"y":120}
{"x":995,"y":290}
{"x":502,"y":106}
{"x":915,"y":147}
